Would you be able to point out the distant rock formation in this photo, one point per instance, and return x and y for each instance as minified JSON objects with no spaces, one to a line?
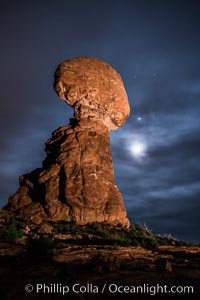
{"x":76,"y":181}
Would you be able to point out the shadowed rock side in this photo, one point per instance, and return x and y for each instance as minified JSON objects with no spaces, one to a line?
{"x":76,"y":181}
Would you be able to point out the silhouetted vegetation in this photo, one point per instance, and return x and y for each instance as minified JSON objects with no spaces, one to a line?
{"x":41,"y":247}
{"x":103,"y":233}
{"x":94,"y":233}
{"x":11,"y":233}
{"x":64,"y":227}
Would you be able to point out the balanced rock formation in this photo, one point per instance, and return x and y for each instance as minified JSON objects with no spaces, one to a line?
{"x":76,"y":181}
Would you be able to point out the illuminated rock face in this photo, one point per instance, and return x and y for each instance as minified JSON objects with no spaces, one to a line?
{"x":76,"y":181}
{"x":94,"y":89}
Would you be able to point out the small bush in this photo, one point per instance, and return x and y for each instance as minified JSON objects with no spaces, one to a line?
{"x":41,"y":247}
{"x":11,"y":233}
{"x":7,"y":220}
{"x":64,"y":227}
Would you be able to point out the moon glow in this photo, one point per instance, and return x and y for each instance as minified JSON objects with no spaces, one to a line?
{"x":137,"y":149}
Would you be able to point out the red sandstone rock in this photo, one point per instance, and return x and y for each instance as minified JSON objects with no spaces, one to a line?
{"x":76,"y":181}
{"x":45,"y":228}
{"x":94,"y":89}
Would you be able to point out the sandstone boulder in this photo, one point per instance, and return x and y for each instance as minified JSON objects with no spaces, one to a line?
{"x":94,"y":89}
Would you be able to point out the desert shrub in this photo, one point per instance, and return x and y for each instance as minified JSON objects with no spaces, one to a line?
{"x":95,"y":226}
{"x":106,"y":233}
{"x":58,"y":227}
{"x":11,"y":233}
{"x":137,"y":235}
{"x":41,"y":247}
{"x":7,"y":219}
{"x":168,"y":239}
{"x":67,"y":227}
{"x":149,"y":243}
{"x":142,"y":236}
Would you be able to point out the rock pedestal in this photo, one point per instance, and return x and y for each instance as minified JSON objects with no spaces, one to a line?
{"x":76,"y":181}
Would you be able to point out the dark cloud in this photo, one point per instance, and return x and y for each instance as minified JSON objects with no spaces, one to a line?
{"x":178,"y":216}
{"x":155,"y":46}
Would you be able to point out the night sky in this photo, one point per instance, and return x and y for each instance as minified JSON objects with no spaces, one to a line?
{"x":155,"y":46}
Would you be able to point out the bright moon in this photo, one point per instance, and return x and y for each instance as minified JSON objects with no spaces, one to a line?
{"x":138,"y":149}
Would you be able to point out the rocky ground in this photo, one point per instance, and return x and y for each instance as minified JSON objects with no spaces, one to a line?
{"x":57,"y":263}
{"x":92,"y":266}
